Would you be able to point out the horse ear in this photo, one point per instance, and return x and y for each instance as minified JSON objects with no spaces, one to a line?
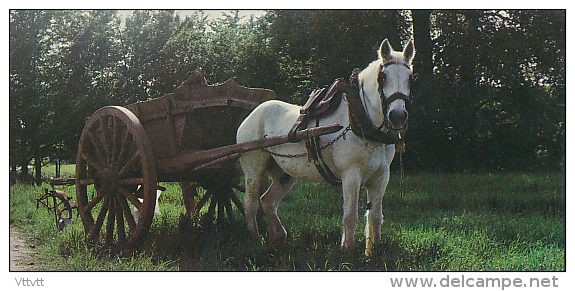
{"x":385,"y":49}
{"x":409,"y":51}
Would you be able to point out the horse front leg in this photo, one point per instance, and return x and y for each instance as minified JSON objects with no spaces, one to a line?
{"x":374,"y":216}
{"x":351,"y":183}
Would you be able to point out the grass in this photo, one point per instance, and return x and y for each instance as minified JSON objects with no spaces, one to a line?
{"x":447,"y":222}
{"x":66,"y":171}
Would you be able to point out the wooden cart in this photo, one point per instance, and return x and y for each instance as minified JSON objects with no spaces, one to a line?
{"x":187,"y":136}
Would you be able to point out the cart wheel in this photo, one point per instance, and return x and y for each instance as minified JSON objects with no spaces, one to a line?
{"x":219,"y":196}
{"x":114,"y":156}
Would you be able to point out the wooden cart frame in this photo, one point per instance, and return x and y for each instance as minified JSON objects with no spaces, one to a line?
{"x":187,"y":136}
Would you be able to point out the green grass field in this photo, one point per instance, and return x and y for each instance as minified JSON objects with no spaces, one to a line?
{"x":450,"y":222}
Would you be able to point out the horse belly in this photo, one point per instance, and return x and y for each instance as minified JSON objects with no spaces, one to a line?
{"x":299,"y":168}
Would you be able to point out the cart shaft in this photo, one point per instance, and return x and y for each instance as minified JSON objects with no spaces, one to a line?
{"x":197,"y":158}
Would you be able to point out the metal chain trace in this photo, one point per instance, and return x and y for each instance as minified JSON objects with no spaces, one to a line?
{"x":342,"y":134}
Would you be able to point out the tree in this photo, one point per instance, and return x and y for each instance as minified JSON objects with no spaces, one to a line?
{"x":489,"y":93}
{"x":144,"y":67}
{"x":81,"y":69}
{"x":30,"y":131}
{"x":489,"y":80}
{"x":59,"y":71}
{"x":228,"y":47}
{"x":317,"y":46}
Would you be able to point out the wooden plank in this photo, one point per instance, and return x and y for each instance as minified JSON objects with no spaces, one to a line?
{"x":194,"y":90}
{"x":183,"y":107}
{"x":193,"y":159}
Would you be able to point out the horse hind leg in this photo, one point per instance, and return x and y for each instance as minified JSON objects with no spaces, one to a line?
{"x":254,"y":167}
{"x":281,"y":184}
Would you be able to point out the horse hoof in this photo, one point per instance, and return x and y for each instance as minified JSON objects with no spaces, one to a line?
{"x":368,"y":252}
{"x":346,"y":246}
{"x":278,"y":240}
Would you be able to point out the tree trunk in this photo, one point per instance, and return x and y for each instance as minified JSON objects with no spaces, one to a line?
{"x":38,"y":170}
{"x":58,"y":160}
{"x":423,"y":61}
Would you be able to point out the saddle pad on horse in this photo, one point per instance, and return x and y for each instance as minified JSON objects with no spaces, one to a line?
{"x":321,"y":102}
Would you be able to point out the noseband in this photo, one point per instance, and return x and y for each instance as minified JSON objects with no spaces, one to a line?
{"x":395,"y":96}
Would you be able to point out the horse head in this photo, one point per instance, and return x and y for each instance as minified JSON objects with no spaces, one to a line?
{"x":386,"y":86}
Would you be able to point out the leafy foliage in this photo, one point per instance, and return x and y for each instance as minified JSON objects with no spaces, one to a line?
{"x":490,"y":92}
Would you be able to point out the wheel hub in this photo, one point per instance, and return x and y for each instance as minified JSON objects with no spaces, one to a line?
{"x":110,"y":182}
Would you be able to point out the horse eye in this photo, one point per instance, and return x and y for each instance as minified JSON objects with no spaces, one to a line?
{"x":382,"y":78}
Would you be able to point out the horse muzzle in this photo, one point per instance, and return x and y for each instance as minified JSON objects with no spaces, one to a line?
{"x":397,"y":118}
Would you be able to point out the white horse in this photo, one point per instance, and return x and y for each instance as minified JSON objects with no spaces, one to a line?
{"x":356,"y":161}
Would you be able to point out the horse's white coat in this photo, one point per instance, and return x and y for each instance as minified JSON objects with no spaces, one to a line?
{"x":156,"y":209}
{"x":356,"y":161}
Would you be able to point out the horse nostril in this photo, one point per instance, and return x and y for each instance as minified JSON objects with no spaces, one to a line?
{"x":398,"y":116}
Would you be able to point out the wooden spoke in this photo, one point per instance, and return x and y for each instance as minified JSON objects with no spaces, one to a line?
{"x":121,"y":230}
{"x":132,"y":198}
{"x":127,"y":213}
{"x":93,"y":202}
{"x":104,"y":128}
{"x":98,"y":147}
{"x":115,"y":136}
{"x":100,"y":220}
{"x":219,"y":201}
{"x":212,"y":209}
{"x":129,"y":164}
{"x":203,"y":201}
{"x":110,"y":221}
{"x":125,"y":146}
{"x":239,"y":187}
{"x":92,"y":162}
{"x":228,"y":206}
{"x":237,"y":201}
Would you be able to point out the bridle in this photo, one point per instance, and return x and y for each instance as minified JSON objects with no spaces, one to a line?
{"x":386,"y":101}
{"x":397,"y":95}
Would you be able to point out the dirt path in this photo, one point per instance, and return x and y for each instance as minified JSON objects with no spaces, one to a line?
{"x":23,"y":256}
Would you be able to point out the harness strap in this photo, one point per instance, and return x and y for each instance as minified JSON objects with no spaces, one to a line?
{"x":361,"y":124}
{"x":314,"y":152}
